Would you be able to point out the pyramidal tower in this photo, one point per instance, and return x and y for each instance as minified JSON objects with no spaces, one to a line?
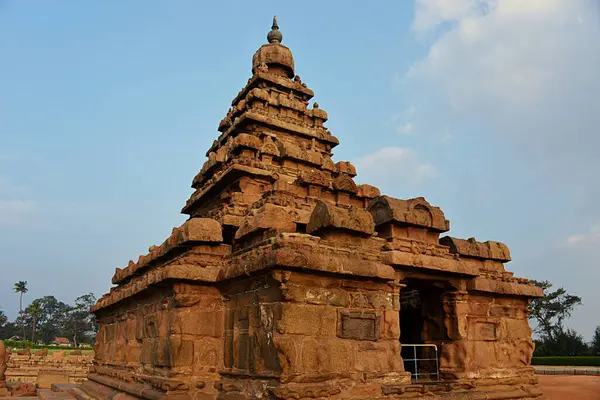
{"x":290,"y":281}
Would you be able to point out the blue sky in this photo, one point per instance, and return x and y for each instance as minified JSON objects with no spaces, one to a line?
{"x":488,"y":109}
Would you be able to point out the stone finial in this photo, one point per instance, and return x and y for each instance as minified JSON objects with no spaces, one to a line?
{"x":275,"y":36}
{"x":274,"y":55}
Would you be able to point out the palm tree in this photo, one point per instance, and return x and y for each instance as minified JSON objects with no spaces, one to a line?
{"x":21,"y":287}
{"x":34,"y":312}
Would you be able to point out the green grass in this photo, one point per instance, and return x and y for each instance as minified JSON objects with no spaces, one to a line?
{"x":51,"y":348}
{"x":67,"y":351}
{"x":580,"y":361}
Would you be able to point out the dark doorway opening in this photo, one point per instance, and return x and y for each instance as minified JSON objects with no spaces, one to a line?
{"x":422,"y":329}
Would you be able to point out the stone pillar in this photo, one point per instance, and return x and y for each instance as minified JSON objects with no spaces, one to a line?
{"x":343,"y":329}
{"x":453,"y":353}
{"x":456,"y":306}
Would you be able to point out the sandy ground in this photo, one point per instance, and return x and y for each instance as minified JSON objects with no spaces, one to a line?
{"x":570,"y":387}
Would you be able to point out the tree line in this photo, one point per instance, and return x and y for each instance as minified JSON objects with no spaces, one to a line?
{"x":548,"y":314}
{"x":46,"y":318}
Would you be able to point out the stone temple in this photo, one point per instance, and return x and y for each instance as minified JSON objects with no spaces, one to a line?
{"x":290,"y":281}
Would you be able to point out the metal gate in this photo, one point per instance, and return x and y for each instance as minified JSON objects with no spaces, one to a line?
{"x":420,"y":363}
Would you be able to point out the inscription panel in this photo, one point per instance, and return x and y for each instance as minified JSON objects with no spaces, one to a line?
{"x":483,"y":328}
{"x":359,"y":325}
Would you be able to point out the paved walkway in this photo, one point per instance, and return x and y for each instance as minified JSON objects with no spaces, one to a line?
{"x":569,"y":387}
{"x":560,"y":370}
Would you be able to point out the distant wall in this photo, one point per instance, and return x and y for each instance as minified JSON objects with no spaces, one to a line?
{"x":29,"y":368}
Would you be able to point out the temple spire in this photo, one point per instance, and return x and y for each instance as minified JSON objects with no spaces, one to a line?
{"x":274,"y":36}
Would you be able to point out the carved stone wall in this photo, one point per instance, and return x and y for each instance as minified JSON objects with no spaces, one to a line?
{"x":290,"y":330}
{"x":497,"y":340}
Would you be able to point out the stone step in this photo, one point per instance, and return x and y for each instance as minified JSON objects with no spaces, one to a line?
{"x":62,"y":387}
{"x":48,"y":394}
{"x":80,"y":394}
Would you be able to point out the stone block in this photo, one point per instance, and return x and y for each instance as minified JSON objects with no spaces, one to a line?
{"x":172,"y":352}
{"x":208,"y":354}
{"x":150,"y":326}
{"x":371,"y":299}
{"x":191,"y":321}
{"x":345,"y":167}
{"x":289,"y":354}
{"x":359,"y":325}
{"x":344,"y":183}
{"x":377,"y":357}
{"x":515,"y":328}
{"x":45,"y":379}
{"x":326,"y":355}
{"x":391,"y":324}
{"x":472,"y":248}
{"x":329,"y":216}
{"x":267,"y":217}
{"x":415,"y":212}
{"x":133,"y":352}
{"x":331,"y":297}
{"x":22,"y":389}
{"x":367,"y":191}
{"x":306,"y":319}
{"x":200,"y":230}
{"x":478,"y":309}
{"x":482,"y":328}
{"x":503,"y":311}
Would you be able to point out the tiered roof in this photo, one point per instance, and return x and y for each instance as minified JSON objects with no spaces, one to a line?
{"x":270,"y":174}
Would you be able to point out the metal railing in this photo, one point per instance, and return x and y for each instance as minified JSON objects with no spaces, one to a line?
{"x":412,"y":364}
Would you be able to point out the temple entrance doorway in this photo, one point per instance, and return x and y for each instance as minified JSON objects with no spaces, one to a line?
{"x":422,"y":329}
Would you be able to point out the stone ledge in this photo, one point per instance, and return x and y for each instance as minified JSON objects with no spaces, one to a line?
{"x":278,"y":80}
{"x":294,"y":250}
{"x":230,"y":172}
{"x":508,"y":288}
{"x":472,"y":248}
{"x":135,"y":389}
{"x":193,"y":231}
{"x":422,"y":261}
{"x":182,"y":271}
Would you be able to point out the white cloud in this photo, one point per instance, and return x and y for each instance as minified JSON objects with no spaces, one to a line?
{"x":430,"y":13}
{"x":405,"y":129}
{"x":401,"y":122}
{"x":506,"y":56}
{"x":8,"y":189}
{"x":523,"y":75}
{"x":13,"y":212}
{"x":592,"y":236}
{"x":15,"y":207}
{"x":389,"y":167}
